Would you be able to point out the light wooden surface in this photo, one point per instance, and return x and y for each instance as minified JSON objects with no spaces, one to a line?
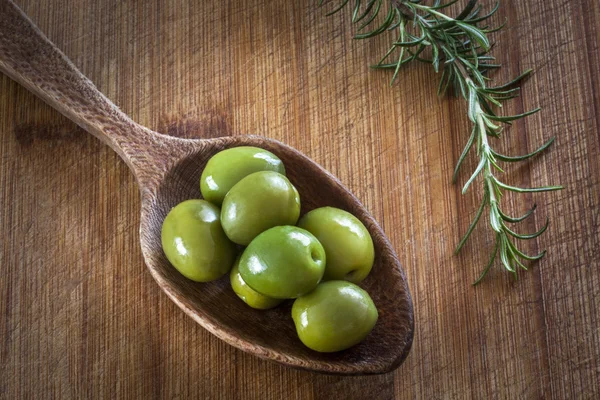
{"x":81,"y":316}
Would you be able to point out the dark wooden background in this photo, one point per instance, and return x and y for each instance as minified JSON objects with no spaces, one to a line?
{"x":80,"y":316}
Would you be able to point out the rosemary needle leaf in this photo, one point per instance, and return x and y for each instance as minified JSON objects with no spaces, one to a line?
{"x":409,"y":44}
{"x":398,"y":65}
{"x":472,"y":226}
{"x":385,"y":56}
{"x":486,"y":107}
{"x":505,"y":254}
{"x":356,"y":8}
{"x":527,"y":190}
{"x":515,"y":81}
{"x":514,"y":117}
{"x":490,"y":263}
{"x":335,"y":10}
{"x":440,"y":6}
{"x":372,"y":17}
{"x":479,"y":168}
{"x":473,"y":20}
{"x":528,"y":236}
{"x":388,"y":21}
{"x":366,"y":11}
{"x":475,"y":33}
{"x":496,"y":29}
{"x":517,"y":219}
{"x":495,"y":221}
{"x":468,"y":8}
{"x":513,"y":256}
{"x":526,"y":156}
{"x":464,"y":154}
{"x":525,"y":256}
{"x":474,"y":13}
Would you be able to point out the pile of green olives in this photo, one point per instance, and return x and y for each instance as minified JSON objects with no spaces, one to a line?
{"x":317,"y":260}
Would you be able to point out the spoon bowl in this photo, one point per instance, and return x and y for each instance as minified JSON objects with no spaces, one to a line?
{"x":168,"y":170}
{"x":271,"y":333}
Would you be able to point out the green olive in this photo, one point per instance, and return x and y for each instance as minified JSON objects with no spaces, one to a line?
{"x":194,"y":242}
{"x":247,"y":294}
{"x":228,"y":167}
{"x":335,"y":316}
{"x":283,"y":262}
{"x":258,"y":202}
{"x":347,"y":243}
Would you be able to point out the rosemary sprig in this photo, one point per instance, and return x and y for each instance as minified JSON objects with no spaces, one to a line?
{"x":459,"y":48}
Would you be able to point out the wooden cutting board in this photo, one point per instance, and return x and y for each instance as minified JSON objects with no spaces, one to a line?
{"x":80,"y":316}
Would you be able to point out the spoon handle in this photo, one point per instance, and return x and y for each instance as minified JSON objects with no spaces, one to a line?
{"x":31,"y":59}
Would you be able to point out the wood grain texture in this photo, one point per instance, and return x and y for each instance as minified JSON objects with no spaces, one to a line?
{"x":82,"y":317}
{"x":168,"y":169}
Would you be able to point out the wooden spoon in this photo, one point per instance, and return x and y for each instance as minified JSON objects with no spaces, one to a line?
{"x":168,"y":169}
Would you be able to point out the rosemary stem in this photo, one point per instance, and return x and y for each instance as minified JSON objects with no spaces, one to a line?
{"x":459,"y":49}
